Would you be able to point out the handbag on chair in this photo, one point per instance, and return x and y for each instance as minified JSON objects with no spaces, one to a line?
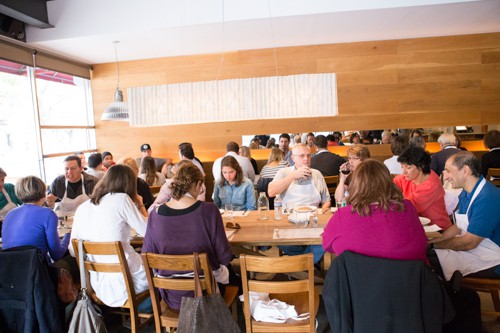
{"x":85,"y":317}
{"x":205,"y":313}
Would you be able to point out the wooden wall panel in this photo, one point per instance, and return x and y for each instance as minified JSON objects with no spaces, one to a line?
{"x":426,"y":82}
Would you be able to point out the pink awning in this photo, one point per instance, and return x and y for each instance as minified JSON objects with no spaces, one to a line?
{"x":41,"y":73}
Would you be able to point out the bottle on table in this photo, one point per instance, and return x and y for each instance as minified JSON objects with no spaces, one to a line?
{"x":263,"y":206}
{"x":278,"y":213}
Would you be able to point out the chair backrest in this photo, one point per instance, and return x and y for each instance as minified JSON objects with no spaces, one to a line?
{"x":331,"y":183}
{"x":155,"y":190}
{"x":120,"y":266}
{"x":300,"y":293}
{"x":493,"y":176}
{"x":393,"y":295}
{"x":154,"y":262}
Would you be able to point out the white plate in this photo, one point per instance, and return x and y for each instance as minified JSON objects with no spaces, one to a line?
{"x":424,"y":220}
{"x":221,"y":211}
{"x":299,"y":217}
{"x":304,"y":209}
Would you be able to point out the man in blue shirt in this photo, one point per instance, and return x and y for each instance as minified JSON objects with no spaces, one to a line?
{"x":472,"y":245}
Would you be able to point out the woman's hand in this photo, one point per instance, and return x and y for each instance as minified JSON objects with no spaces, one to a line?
{"x":343,"y":176}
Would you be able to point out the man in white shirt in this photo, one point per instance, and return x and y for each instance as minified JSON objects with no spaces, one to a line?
{"x":299,"y":185}
{"x":232,"y":148}
{"x":398,"y":144}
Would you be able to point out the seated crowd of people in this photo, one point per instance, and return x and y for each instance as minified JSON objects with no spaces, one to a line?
{"x":379,"y":206}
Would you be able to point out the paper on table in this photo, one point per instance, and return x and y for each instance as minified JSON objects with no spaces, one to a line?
{"x":230,"y":233}
{"x":431,"y":228}
{"x":241,"y":213}
{"x":297,"y":233}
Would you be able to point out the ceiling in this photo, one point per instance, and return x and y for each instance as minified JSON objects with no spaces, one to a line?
{"x":85,"y":30}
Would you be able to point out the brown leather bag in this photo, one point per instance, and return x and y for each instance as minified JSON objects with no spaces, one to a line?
{"x":66,"y":290}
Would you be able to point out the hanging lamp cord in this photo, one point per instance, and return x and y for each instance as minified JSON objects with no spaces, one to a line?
{"x":117,"y":66}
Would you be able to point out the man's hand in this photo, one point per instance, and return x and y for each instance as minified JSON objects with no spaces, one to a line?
{"x":303,"y":172}
{"x":50,"y":200}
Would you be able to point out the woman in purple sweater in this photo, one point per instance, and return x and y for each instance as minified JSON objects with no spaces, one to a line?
{"x":185,"y":225}
{"x":377,"y":221}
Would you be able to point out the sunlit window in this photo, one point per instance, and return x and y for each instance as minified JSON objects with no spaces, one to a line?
{"x":38,"y":132}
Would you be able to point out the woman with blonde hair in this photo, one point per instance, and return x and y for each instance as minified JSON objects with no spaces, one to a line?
{"x":245,"y":151}
{"x":233,"y":187}
{"x":142,"y":187}
{"x":32,"y":223}
{"x":149,"y":174}
{"x":185,"y":225}
{"x":275,"y":162}
{"x":377,"y":220}
{"x":355,"y":155}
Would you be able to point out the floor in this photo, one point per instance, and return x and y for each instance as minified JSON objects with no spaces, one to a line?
{"x":490,"y":324}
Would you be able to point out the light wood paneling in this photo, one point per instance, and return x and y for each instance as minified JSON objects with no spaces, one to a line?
{"x":425,"y":82}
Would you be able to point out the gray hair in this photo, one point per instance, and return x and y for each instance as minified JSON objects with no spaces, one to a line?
{"x":463,"y":158}
{"x":447,"y":139}
{"x":30,"y":189}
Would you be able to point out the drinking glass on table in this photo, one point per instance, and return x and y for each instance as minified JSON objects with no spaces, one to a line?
{"x":60,"y":215}
{"x":229,"y":212}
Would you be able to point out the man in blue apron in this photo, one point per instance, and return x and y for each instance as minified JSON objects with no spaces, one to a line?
{"x":73,"y":188}
{"x":299,"y":185}
{"x":472,"y":245}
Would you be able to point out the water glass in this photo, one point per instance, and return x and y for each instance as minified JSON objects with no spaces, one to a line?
{"x":228,"y":212}
{"x":313,"y":219}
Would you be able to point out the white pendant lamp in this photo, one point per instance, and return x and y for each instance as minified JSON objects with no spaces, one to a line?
{"x":117,"y":110}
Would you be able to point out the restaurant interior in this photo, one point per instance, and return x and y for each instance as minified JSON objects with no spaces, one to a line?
{"x":425,"y":64}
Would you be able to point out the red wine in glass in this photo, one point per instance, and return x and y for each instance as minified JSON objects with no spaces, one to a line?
{"x":345,"y":172}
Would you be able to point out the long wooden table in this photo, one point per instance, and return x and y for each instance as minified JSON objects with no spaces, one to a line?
{"x":256,"y":232}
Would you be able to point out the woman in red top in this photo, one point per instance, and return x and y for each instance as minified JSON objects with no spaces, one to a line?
{"x":422,"y":186}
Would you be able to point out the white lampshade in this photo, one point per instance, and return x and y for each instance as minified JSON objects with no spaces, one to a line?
{"x":118,"y":110}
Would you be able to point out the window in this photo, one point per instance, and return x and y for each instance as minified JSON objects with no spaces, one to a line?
{"x":38,"y":131}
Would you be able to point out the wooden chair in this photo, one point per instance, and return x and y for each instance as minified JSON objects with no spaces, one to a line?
{"x":495,"y":173}
{"x":115,"y":249}
{"x":155,"y":190}
{"x":163,"y":315}
{"x":300,"y":293}
{"x":491,"y":286}
{"x":331,"y":183}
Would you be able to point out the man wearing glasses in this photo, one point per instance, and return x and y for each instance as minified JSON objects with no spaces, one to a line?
{"x":299,"y":185}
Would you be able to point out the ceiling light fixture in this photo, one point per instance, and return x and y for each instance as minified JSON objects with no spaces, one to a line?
{"x":118,"y":110}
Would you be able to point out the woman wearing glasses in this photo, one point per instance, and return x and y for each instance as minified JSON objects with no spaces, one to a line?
{"x":355,"y":155}
{"x":185,"y":225}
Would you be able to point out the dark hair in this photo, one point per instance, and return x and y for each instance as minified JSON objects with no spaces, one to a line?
{"x":417,"y":141}
{"x":330,"y":137}
{"x":3,"y":173}
{"x":94,"y":160}
{"x":271,"y":143}
{"x":30,"y":189}
{"x":186,"y":149}
{"x":398,"y":144}
{"x":231,"y":162}
{"x":187,"y":175}
{"x":310,"y":134}
{"x":492,"y":139}
{"x":74,"y":158}
{"x":120,"y":178}
{"x":353,"y":135}
{"x":285,"y":135}
{"x":418,"y":157}
{"x":106,"y":153}
{"x":371,"y":183}
{"x":320,"y":141}
{"x":416,"y":132}
{"x":232,"y":146}
{"x":149,"y":169}
{"x":463,"y":158}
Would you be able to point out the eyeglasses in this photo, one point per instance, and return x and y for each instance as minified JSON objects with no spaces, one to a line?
{"x":232,"y":225}
{"x":353,"y":158}
{"x":303,"y":155}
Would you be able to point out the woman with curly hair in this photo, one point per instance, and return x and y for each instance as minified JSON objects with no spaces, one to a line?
{"x":185,"y":225}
